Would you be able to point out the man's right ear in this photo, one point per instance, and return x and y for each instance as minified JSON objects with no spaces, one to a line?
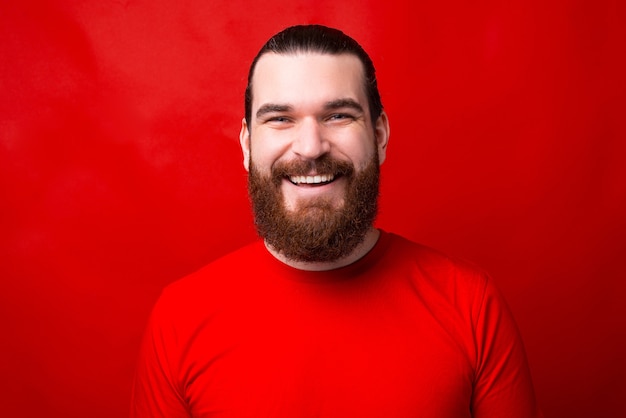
{"x":244,"y":141}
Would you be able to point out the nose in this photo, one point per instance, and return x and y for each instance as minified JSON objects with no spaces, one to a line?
{"x":310,"y":142}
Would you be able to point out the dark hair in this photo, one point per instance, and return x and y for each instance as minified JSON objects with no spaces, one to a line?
{"x":325,"y":40}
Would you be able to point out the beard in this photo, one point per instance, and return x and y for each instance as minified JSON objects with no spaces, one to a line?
{"x":315,"y":230}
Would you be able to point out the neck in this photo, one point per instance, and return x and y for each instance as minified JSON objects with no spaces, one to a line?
{"x":371,"y":237}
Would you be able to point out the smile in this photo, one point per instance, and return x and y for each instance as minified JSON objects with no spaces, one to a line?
{"x":313,"y":180}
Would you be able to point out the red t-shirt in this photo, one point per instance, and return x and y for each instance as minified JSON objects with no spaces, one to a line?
{"x":404,"y":332}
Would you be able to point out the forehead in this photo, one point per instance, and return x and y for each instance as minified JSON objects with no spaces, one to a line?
{"x":307,"y":78}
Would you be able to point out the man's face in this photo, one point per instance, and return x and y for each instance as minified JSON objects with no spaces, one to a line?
{"x":312,"y":154}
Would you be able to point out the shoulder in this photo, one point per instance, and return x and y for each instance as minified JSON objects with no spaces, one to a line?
{"x":458,"y":292}
{"x":213,"y":284}
{"x":435,"y":273}
{"x":431,"y":261}
{"x":213,"y":272}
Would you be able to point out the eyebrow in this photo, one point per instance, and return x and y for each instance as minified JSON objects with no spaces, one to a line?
{"x":331,"y":105}
{"x":271,"y":108}
{"x":344,"y":103}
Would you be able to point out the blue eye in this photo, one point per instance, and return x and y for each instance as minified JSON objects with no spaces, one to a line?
{"x":278,"y":119}
{"x":340,"y":116}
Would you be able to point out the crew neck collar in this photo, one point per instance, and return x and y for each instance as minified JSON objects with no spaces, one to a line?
{"x":341,"y":273}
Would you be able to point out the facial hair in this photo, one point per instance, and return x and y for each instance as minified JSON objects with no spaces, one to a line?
{"x":315,"y":230}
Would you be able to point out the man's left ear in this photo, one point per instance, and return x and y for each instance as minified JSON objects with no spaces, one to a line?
{"x":381,"y":130}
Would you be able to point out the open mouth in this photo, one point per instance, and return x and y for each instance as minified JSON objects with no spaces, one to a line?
{"x":312,"y":180}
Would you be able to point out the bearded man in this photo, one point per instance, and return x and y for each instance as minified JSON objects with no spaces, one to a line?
{"x":327,"y":316}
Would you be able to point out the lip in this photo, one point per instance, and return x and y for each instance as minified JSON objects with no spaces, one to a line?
{"x":313,"y":180}
{"x":312,"y":189}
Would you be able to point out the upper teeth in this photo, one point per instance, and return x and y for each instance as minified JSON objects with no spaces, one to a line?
{"x":311,"y":179}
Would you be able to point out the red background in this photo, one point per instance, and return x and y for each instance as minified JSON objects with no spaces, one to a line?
{"x":120,"y":172}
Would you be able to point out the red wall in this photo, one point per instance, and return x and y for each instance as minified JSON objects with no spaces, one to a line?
{"x":120,"y":172}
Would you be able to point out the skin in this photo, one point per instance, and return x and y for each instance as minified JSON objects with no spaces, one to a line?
{"x":304,"y":106}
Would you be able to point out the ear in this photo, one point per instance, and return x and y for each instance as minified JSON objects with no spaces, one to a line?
{"x":381,"y":130}
{"x":244,"y":141}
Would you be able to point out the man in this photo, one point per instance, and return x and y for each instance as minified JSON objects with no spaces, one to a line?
{"x":327,"y":316}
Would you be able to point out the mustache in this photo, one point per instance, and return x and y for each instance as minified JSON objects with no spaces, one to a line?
{"x":322,"y":165}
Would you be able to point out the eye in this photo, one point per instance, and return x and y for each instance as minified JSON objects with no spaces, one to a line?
{"x":340,"y":116}
{"x":277,"y":120}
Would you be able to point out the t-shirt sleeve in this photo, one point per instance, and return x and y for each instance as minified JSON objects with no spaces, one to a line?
{"x":156,"y":392}
{"x":503,"y":385}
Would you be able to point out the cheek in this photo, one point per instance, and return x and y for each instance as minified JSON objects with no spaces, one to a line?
{"x":364,"y":158}
{"x":265,"y":151}
{"x":260,"y":156}
{"x":358,"y":148}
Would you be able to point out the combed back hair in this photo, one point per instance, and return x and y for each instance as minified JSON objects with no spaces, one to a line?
{"x":324,"y":40}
